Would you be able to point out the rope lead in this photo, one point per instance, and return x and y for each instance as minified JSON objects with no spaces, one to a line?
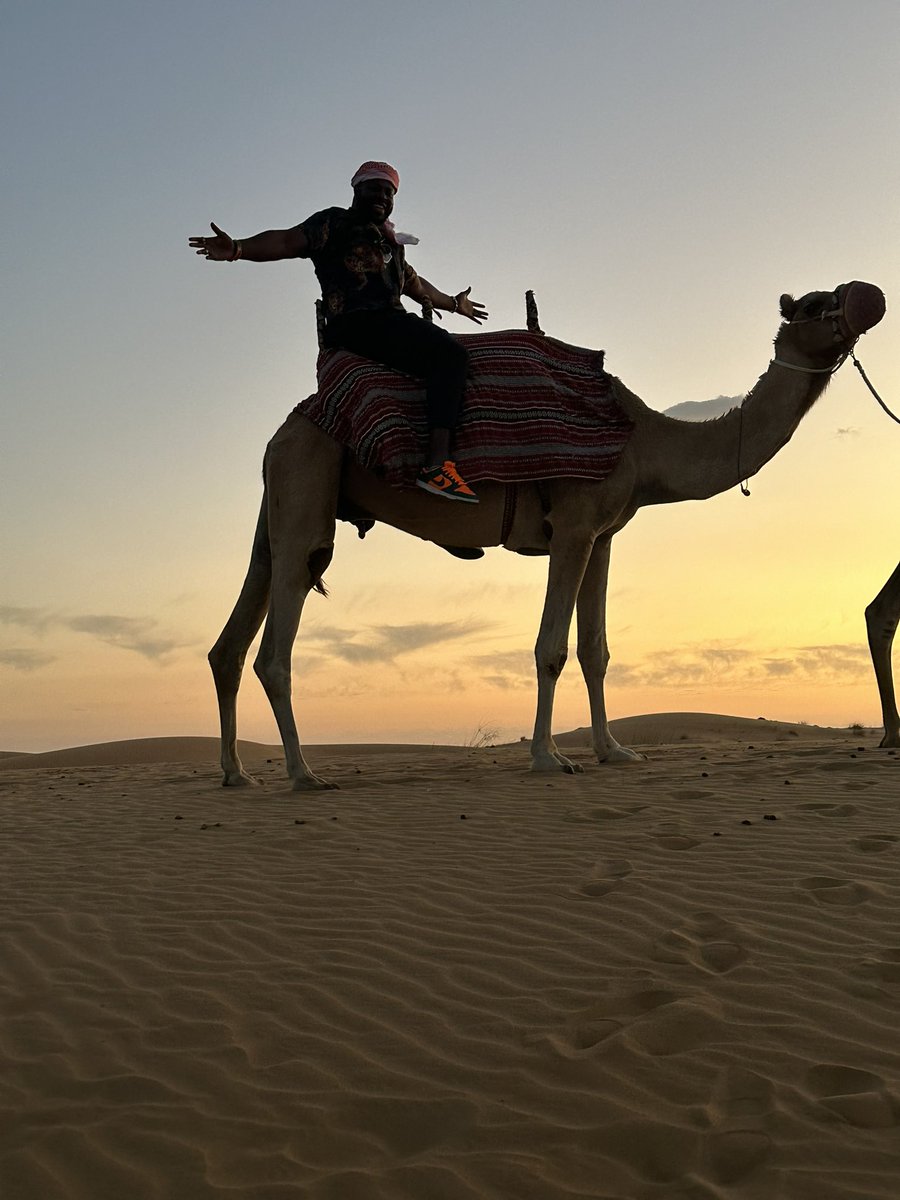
{"x":859,"y":368}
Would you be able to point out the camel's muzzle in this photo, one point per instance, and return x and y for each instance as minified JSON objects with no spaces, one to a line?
{"x":860,"y":306}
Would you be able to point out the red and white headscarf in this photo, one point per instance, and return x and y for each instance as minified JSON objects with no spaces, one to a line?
{"x":383,"y":170}
{"x":377,"y":170}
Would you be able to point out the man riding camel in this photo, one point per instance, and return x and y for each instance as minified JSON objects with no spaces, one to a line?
{"x":360,"y":262}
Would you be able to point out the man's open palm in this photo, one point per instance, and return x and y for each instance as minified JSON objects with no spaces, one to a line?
{"x":217,"y":249}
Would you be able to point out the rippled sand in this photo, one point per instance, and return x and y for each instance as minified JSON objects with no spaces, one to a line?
{"x":452,"y":979}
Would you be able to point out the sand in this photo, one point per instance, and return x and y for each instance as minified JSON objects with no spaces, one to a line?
{"x":453,"y":979}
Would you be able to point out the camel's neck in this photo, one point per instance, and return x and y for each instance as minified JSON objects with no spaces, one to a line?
{"x":685,"y":460}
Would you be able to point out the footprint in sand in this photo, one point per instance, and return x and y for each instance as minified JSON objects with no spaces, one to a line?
{"x":669,"y":836}
{"x":706,"y":940}
{"x":825,"y":889}
{"x":655,"y":1021}
{"x":608,"y":873}
{"x":676,"y":841}
{"x":830,"y":810}
{"x":877,"y":843}
{"x":740,"y":1111}
{"x":603,"y":813}
{"x":858,"y":1097}
{"x":675,"y":1027}
{"x":883,"y":965}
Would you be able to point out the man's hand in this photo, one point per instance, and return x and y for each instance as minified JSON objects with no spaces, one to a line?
{"x":221,"y":248}
{"x":470,"y":308}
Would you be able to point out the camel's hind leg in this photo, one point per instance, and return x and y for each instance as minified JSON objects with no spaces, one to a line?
{"x":593,"y":652}
{"x":568,"y":560}
{"x":227,"y":656}
{"x":303,"y":469}
{"x":882,"y":618}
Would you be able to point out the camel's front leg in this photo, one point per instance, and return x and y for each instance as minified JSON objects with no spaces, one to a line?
{"x":291,"y":584}
{"x":593,"y":652}
{"x":568,"y":559}
{"x":882,"y":618}
{"x":302,"y":483}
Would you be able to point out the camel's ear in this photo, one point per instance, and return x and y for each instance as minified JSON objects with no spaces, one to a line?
{"x":788,"y":307}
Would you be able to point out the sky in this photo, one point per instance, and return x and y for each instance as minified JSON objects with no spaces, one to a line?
{"x":657,"y":172}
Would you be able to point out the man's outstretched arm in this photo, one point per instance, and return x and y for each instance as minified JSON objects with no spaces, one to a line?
{"x":269,"y":246}
{"x":420,"y":290}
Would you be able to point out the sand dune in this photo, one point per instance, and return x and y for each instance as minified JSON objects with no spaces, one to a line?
{"x":652,"y":729}
{"x":453,"y":979}
{"x":666,"y":729}
{"x":165,"y":750}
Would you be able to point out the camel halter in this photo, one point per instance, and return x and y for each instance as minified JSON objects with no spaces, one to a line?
{"x":834,"y":314}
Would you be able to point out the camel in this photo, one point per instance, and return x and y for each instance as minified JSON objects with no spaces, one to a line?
{"x":307,"y":475}
{"x":882,"y":618}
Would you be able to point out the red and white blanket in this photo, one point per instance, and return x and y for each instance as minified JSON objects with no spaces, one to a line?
{"x":535,"y":408}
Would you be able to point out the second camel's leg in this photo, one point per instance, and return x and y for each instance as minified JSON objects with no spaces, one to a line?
{"x":882,"y":618}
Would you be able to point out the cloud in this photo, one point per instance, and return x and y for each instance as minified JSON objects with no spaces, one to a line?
{"x":733,"y":666}
{"x":385,"y":643}
{"x":25,"y":660}
{"x":127,"y":633}
{"x":511,"y":670}
{"x":711,"y":665}
{"x":703,"y":410}
{"x":684,"y":667}
{"x":35,"y":619}
{"x":834,"y":660}
{"x":779,"y":666}
{"x":835,"y":663}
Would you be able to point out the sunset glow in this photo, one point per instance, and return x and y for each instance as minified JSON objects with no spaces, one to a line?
{"x":658,"y":174}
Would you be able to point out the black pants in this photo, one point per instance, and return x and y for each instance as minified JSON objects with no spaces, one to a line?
{"x":409,"y":344}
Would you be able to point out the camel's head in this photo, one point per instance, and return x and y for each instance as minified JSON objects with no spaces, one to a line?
{"x":825,"y":325}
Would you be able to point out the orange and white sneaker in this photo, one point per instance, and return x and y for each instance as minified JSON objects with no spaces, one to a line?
{"x":446,"y":481}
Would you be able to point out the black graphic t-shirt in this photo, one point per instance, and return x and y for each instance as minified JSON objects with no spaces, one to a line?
{"x":358,"y":268}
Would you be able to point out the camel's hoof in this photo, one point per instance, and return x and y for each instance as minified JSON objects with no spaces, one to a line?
{"x":621,"y":754}
{"x":555,"y":763}
{"x":239,"y":779}
{"x":313,"y":783}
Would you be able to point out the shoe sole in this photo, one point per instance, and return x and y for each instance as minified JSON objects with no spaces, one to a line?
{"x":446,"y":495}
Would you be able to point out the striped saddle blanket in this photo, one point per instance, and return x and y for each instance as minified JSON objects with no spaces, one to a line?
{"x":535,"y":408}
